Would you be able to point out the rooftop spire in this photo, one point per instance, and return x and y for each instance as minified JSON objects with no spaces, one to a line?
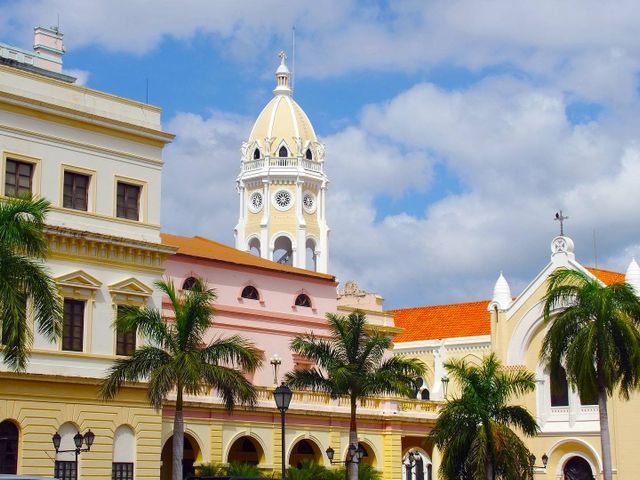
{"x":282,"y":77}
{"x":502,"y":293}
{"x":632,"y":277}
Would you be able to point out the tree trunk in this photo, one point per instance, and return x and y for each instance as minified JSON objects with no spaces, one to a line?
{"x":489,"y":474}
{"x":352,"y":467}
{"x":178,"y":438}
{"x":605,"y":441}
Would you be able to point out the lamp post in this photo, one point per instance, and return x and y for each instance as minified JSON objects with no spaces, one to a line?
{"x":445,"y":384}
{"x":545,"y":460}
{"x":78,"y":439}
{"x":354,"y":455}
{"x":275,"y":362}
{"x":282,"y":395}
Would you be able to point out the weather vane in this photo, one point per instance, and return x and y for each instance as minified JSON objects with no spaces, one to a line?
{"x":561,"y":218}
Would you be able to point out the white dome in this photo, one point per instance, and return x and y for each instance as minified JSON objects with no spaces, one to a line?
{"x":502,"y":293}
{"x":282,"y":120}
{"x":632,"y":277}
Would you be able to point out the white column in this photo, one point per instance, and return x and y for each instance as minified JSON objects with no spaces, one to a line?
{"x":265,"y":246}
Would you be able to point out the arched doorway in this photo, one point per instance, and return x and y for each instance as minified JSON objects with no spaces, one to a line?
{"x":577,"y":468}
{"x":245,"y":450}
{"x":305,"y":451}
{"x":416,"y":465}
{"x":190,"y":455}
{"x":8,"y":447}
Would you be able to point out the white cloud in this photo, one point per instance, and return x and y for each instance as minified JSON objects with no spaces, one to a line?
{"x":198,"y":188}
{"x":587,"y":47}
{"x":82,"y":76}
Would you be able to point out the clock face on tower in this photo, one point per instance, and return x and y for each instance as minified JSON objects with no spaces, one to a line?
{"x":255,"y":202}
{"x":309,"y":202}
{"x":282,"y":200}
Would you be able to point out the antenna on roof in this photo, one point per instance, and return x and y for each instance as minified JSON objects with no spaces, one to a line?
{"x":595,"y":249}
{"x":293,"y":58}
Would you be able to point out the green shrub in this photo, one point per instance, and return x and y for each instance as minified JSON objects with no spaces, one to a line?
{"x":236,"y":469}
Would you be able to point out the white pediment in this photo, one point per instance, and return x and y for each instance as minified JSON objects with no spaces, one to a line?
{"x":131,"y":286}
{"x":78,"y":279}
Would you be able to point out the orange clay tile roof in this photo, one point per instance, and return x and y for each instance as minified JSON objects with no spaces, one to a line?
{"x":442,"y":321}
{"x":606,"y":276}
{"x":468,"y":319}
{"x":201,"y":247}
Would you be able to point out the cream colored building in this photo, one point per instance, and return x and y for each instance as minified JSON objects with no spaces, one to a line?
{"x":513,"y":327}
{"x":98,"y":159}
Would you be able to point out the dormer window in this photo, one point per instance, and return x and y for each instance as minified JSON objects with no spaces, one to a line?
{"x":256,"y":154}
{"x":250,"y":292}
{"x":303,"y":300}
{"x":189,"y":283}
{"x":283,"y":152}
{"x":308,"y":155}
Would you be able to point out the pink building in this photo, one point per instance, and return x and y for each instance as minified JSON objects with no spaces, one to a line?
{"x":263,"y":301}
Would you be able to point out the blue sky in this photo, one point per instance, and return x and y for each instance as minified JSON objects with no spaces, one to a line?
{"x":454,"y":129}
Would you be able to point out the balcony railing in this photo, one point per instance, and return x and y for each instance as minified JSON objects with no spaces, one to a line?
{"x":281,"y":162}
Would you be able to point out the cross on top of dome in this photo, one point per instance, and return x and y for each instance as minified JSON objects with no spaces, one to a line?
{"x":282,"y":77}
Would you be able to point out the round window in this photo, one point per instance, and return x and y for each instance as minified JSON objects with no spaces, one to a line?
{"x":283,"y":199}
{"x":255,"y":202}
{"x":309,"y":202}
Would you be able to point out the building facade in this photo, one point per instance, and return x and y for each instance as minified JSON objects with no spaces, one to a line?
{"x":98,"y":159}
{"x":513,"y":328}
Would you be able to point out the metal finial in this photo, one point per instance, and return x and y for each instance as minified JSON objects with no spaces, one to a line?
{"x":283,"y":57}
{"x":561,"y":218}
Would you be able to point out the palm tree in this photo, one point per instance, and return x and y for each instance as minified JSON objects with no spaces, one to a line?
{"x":596,"y":336}
{"x":23,"y":248}
{"x":352,"y":362}
{"x":474,"y":431}
{"x":177,"y":358}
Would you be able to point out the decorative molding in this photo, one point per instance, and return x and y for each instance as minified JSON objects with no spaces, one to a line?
{"x":106,"y":249}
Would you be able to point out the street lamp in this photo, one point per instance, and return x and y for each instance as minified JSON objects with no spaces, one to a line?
{"x":275,"y":362}
{"x":445,"y":384}
{"x":282,"y":395}
{"x":78,"y":439}
{"x":354,"y":455}
{"x":545,"y":460}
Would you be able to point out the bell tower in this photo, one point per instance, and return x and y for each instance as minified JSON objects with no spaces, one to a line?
{"x":282,"y":185}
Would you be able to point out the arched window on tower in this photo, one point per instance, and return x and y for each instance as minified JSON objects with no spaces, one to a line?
{"x":254,"y":247}
{"x":311,"y":260}
{"x":559,"y":388}
{"x":283,"y":251}
{"x":250,"y":292}
{"x":283,"y":152}
{"x":308,"y":155}
{"x":256,"y":154}
{"x":303,"y":300}
{"x":189,"y":283}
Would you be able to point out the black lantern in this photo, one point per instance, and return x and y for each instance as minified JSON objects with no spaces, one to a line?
{"x":88,"y":438}
{"x":545,"y":460}
{"x":330,"y":453}
{"x":77,"y":439}
{"x":282,"y":395}
{"x":360,"y":452}
{"x":56,"y":439}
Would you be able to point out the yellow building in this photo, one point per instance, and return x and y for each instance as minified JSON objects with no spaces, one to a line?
{"x":513,"y":328}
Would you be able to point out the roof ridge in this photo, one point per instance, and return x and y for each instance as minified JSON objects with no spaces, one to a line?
{"x":439,"y":305}
{"x":603,"y":270}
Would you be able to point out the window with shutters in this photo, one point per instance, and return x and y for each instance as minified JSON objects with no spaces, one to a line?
{"x":121,"y":471}
{"x":66,"y":470}
{"x":73,"y":326}
{"x":128,"y":201}
{"x":76,"y":191}
{"x":125,"y":341}
{"x":18,"y":178}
